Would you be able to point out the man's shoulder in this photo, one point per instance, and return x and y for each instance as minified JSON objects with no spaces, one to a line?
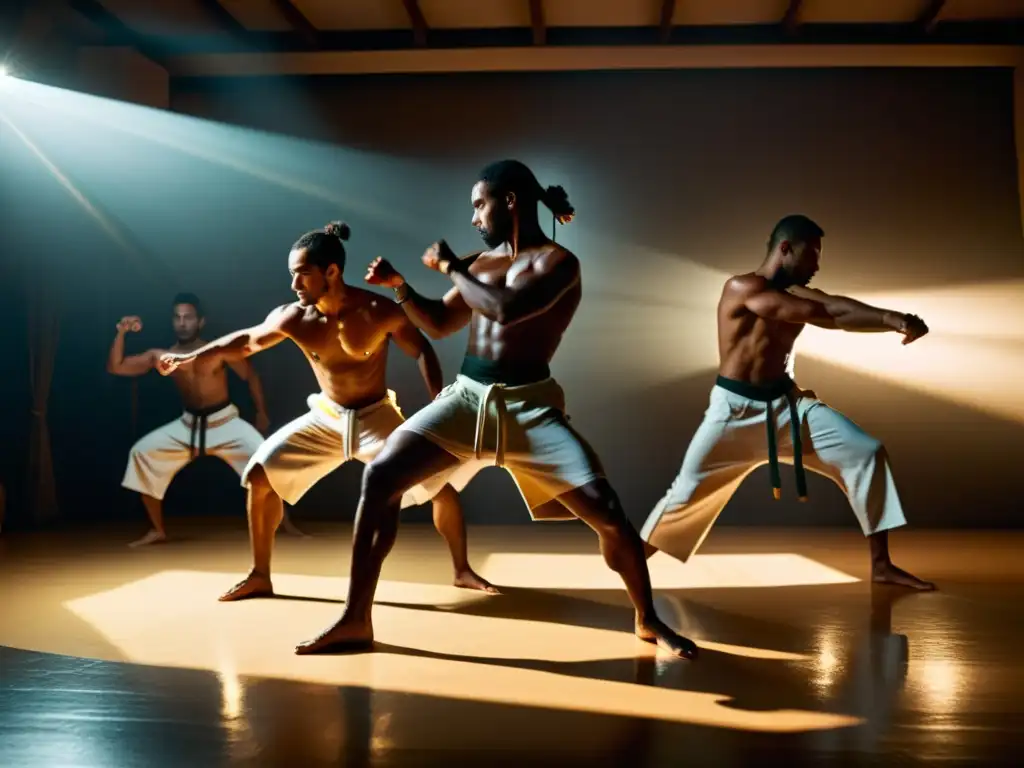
{"x":288,"y":313}
{"x":746,"y":284}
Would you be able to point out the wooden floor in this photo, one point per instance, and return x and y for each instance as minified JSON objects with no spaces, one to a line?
{"x":121,"y":658}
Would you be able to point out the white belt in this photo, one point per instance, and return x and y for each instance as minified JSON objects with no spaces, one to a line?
{"x":495,"y":392}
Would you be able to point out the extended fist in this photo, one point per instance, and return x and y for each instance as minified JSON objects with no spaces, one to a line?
{"x":380,"y":272}
{"x":913,"y":328}
{"x":129,"y":323}
{"x":440,"y":257}
{"x":169,"y":362}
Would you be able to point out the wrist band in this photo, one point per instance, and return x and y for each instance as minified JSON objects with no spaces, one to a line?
{"x":402,"y":293}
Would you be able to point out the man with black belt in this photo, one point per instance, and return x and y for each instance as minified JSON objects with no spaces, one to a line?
{"x":504,"y":408}
{"x":210,"y":424}
{"x":757,"y":414}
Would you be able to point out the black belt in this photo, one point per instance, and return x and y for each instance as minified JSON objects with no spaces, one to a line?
{"x":767,"y":393}
{"x":507,"y":372}
{"x":200,"y":419}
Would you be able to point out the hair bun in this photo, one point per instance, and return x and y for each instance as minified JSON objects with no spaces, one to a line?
{"x":339,"y":229}
{"x":556,"y":199}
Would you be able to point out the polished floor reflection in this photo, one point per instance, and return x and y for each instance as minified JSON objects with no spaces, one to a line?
{"x":117,"y":657}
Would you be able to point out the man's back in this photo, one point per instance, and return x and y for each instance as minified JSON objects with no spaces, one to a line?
{"x":751,"y":348}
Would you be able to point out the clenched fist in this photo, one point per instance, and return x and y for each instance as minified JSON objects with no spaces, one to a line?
{"x":440,"y":257}
{"x":129,"y":323}
{"x":913,"y":328}
{"x":381,"y":272}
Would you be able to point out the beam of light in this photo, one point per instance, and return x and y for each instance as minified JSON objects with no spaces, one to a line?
{"x":973,"y":356}
{"x":98,"y":216}
{"x":652,"y":312}
{"x":214,"y":143}
{"x":530,"y":570}
{"x":164,"y":620}
{"x":4,"y":73}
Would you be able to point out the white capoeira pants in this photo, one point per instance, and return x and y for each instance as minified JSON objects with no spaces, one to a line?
{"x":521,"y":428}
{"x":733,"y":441}
{"x":159,"y":456}
{"x":307,"y":449}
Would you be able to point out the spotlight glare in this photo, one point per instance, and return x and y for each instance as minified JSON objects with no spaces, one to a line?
{"x":3,"y":72}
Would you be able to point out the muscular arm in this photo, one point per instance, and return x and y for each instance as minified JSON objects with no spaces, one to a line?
{"x":437,"y":318}
{"x":133,"y":365}
{"x":804,"y":305}
{"x":533,"y":291}
{"x":415,"y":345}
{"x":239,"y":345}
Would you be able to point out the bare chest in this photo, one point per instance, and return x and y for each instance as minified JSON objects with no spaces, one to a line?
{"x":352,"y":338}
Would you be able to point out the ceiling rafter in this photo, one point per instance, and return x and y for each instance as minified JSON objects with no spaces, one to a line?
{"x":537,"y":22}
{"x":310,"y":34}
{"x":668,"y":11}
{"x":418,"y":21}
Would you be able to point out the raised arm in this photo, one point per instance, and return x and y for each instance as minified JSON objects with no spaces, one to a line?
{"x":133,"y":365}
{"x":533,"y":291}
{"x":413,"y":343}
{"x":437,"y":318}
{"x":238,"y":345}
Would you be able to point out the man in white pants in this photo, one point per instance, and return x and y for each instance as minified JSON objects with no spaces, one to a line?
{"x":209,"y":425}
{"x":344,"y":332}
{"x":757,"y":414}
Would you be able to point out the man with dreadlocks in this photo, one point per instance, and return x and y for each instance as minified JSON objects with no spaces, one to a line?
{"x":504,"y":408}
{"x":344,"y":332}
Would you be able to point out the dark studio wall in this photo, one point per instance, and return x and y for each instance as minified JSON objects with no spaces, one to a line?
{"x":677,"y":178}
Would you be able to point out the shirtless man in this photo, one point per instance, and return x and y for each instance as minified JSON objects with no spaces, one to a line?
{"x":756,"y":411}
{"x":210,"y":423}
{"x":518,"y":299}
{"x":344,"y":332}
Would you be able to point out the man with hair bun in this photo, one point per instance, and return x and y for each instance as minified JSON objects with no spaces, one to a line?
{"x":504,"y":408}
{"x":344,"y":332}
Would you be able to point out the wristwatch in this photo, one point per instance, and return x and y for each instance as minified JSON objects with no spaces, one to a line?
{"x":402,"y":292}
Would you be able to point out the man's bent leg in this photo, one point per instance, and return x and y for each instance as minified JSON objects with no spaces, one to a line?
{"x":407,"y":460}
{"x":859,"y":464}
{"x":451,"y":524}
{"x":597,"y":505}
{"x":266,"y":510}
{"x":153,"y":462}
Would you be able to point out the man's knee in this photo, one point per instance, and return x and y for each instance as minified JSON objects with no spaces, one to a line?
{"x":382,"y":480}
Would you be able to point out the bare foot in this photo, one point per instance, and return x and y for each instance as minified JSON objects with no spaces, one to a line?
{"x":253,"y":585}
{"x":470,"y":579}
{"x":890,"y":574}
{"x":343,"y":637}
{"x":657,"y":631}
{"x":153,"y":537}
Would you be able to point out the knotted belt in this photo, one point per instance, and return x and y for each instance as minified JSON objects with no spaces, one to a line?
{"x":200,"y":423}
{"x":768,"y":393}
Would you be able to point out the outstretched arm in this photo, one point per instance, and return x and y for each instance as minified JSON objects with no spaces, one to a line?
{"x":235,"y":346}
{"x":806,"y":305}
{"x":533,"y":290}
{"x":438,"y":318}
{"x":415,"y":345}
{"x":133,"y":365}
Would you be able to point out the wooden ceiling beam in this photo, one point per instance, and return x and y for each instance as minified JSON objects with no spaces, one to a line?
{"x":537,"y":22}
{"x":668,"y":11}
{"x":418,"y":21}
{"x":310,"y":34}
{"x":929,"y":16}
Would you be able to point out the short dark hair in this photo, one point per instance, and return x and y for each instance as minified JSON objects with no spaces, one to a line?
{"x":191,"y":299}
{"x":796,"y":228}
{"x":513,"y":176}
{"x":325,"y":246}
